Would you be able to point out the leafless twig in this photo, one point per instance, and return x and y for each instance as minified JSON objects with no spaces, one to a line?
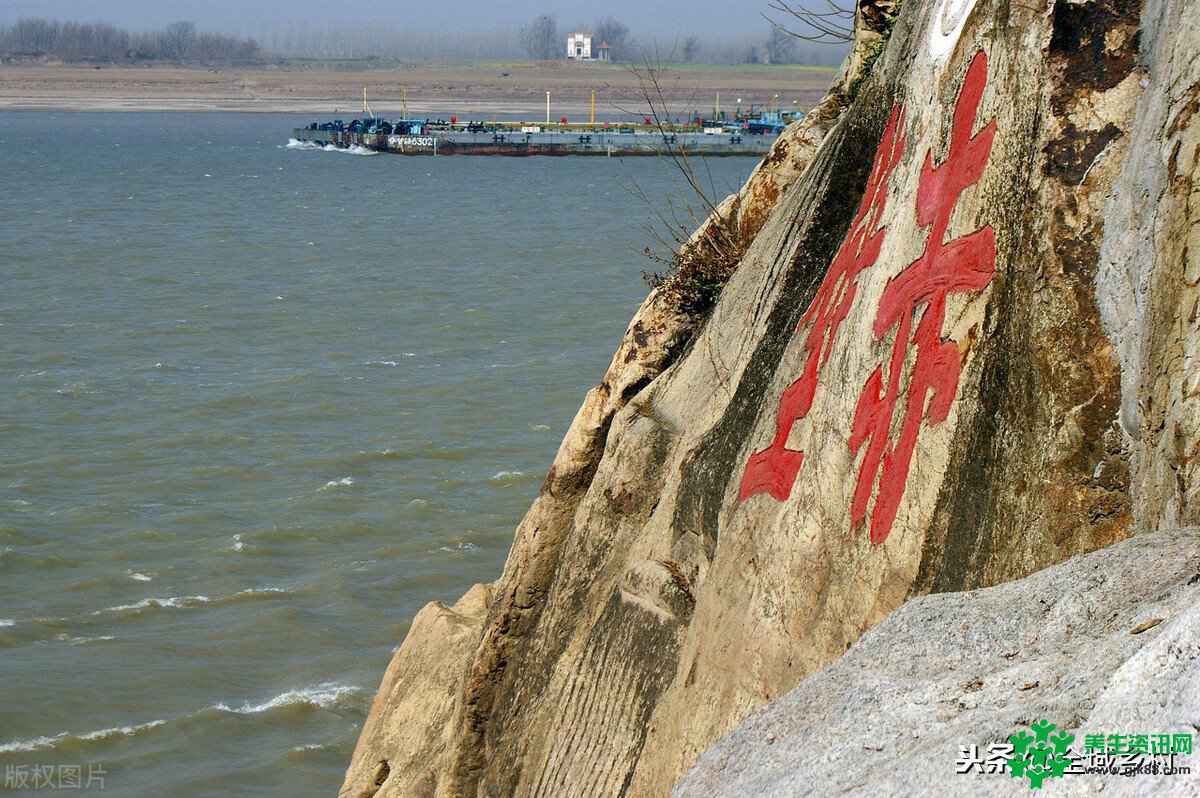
{"x":835,"y":26}
{"x":697,"y":265}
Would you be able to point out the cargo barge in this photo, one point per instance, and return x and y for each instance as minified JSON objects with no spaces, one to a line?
{"x":425,"y":137}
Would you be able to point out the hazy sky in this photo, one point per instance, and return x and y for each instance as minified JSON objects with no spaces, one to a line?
{"x":660,"y":18}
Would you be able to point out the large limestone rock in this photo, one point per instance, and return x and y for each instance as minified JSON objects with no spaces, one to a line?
{"x":1149,"y":287}
{"x":423,"y":680}
{"x":893,"y":715}
{"x":959,"y":349}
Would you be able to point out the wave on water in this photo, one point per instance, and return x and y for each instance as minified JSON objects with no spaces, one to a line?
{"x":122,"y":731}
{"x":509,"y":478}
{"x":173,"y":602}
{"x":74,"y":390}
{"x":146,"y":605}
{"x":190,"y":602}
{"x":356,"y":149}
{"x":37,"y":743}
{"x":255,"y":592}
{"x":310,"y":747}
{"x":333,"y":484}
{"x":422,"y":452}
{"x":460,"y":547}
{"x":297,"y":144}
{"x":322,"y":696}
{"x":137,"y":576}
{"x":42,"y":743}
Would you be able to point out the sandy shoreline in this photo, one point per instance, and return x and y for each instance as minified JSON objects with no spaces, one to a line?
{"x":464,"y":90}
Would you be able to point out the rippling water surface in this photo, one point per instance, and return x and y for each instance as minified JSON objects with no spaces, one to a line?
{"x":258,"y":406}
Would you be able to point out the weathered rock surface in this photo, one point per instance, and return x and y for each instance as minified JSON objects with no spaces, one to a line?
{"x":960,"y":348}
{"x":1150,"y":270}
{"x":424,"y":679}
{"x":892,"y":716}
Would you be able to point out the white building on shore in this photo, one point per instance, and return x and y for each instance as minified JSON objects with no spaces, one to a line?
{"x":579,"y":48}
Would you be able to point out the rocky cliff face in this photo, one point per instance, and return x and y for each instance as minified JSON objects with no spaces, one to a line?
{"x":960,"y":348}
{"x":1107,"y":641}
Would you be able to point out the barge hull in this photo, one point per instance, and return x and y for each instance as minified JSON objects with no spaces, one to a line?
{"x":551,"y":143}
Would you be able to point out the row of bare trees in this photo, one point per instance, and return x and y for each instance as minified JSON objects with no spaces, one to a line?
{"x":101,"y":42}
{"x":542,"y":39}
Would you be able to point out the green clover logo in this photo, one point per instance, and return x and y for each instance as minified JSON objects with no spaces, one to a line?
{"x":1041,"y":755}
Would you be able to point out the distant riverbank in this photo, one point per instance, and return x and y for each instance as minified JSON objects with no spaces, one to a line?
{"x":471,"y":90}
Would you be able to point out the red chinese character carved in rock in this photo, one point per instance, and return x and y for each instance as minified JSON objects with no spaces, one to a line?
{"x":773,"y":470}
{"x":965,"y":264}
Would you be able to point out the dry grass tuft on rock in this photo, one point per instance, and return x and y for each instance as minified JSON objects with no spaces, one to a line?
{"x":699,"y":267}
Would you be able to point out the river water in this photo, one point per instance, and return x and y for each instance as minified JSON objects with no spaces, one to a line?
{"x":258,"y":405}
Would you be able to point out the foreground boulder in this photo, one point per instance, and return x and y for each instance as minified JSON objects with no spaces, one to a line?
{"x":961,"y":347}
{"x":1108,"y":641}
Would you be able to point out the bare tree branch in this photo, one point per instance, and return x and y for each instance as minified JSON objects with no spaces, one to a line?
{"x":835,"y":26}
{"x":696,"y":265}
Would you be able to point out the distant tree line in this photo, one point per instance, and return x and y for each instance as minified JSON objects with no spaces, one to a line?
{"x":302,"y":39}
{"x":100,"y":42}
{"x":542,"y":39}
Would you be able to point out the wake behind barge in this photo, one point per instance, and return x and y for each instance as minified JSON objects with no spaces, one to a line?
{"x":423,"y":138}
